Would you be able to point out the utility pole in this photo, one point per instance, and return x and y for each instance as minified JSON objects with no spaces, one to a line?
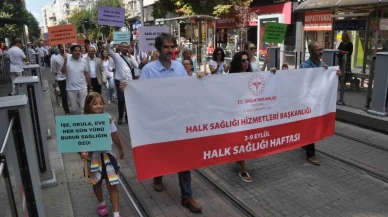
{"x":141,"y":13}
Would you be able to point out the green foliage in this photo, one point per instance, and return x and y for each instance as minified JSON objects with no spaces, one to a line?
{"x":95,"y":30}
{"x":77,"y":18}
{"x":9,"y":10}
{"x":222,"y":9}
{"x":62,"y":22}
{"x":163,"y":7}
{"x":191,"y":7}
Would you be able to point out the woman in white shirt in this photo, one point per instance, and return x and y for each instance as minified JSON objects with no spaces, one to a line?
{"x":250,"y":48}
{"x":84,"y":52}
{"x":218,"y":64}
{"x":189,"y":66}
{"x":108,"y":68}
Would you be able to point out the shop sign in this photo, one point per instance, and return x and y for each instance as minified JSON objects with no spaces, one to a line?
{"x":233,"y":21}
{"x":383,"y":24}
{"x":349,"y":25}
{"x":224,"y":22}
{"x":318,"y":21}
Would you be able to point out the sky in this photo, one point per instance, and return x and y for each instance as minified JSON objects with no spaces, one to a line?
{"x":35,"y":7}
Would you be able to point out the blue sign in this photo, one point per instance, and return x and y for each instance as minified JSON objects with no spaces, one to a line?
{"x":123,"y":36}
{"x":83,"y":133}
{"x":45,"y":36}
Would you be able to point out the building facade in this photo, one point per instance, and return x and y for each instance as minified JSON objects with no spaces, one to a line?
{"x":60,"y":10}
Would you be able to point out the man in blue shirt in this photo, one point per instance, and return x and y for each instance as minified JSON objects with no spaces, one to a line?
{"x":165,"y":67}
{"x":315,"y":51}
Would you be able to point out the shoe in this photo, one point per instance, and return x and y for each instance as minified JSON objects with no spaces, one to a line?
{"x":126,"y":118}
{"x":108,"y":102}
{"x":120,"y":121}
{"x":102,"y":210}
{"x":314,"y":160}
{"x":192,"y":205}
{"x":245,"y":177}
{"x":158,"y":184}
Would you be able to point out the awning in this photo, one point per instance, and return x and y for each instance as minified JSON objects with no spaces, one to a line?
{"x":316,"y":5}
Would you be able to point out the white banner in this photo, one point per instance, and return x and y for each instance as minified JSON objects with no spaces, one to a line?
{"x":204,"y":121}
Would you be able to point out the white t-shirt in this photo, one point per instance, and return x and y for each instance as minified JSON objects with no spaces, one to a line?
{"x":16,"y":57}
{"x":255,"y":65}
{"x":40,"y":51}
{"x":75,"y":76}
{"x":56,"y":66}
{"x":84,"y":55}
{"x":92,"y":66}
{"x":220,"y":69}
{"x":108,"y":68}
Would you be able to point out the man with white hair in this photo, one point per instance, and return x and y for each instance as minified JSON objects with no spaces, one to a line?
{"x":96,"y":66}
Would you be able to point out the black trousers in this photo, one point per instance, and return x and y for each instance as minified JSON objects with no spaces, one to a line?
{"x":62,"y":88}
{"x":310,"y":150}
{"x":96,"y":86}
{"x":120,"y":98}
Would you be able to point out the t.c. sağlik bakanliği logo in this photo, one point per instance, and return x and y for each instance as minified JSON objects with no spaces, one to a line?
{"x":256,"y":84}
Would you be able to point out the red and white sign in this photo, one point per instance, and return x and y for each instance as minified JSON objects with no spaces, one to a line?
{"x":233,"y":20}
{"x":318,"y":21}
{"x":183,"y":123}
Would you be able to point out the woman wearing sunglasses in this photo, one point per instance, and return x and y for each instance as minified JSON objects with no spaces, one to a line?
{"x":241,"y":63}
{"x":218,"y":64}
{"x":250,"y":48}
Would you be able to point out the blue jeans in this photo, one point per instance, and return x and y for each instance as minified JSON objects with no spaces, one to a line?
{"x":110,"y":88}
{"x":185,"y":184}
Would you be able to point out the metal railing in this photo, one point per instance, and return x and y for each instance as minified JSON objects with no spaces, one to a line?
{"x":4,"y":171}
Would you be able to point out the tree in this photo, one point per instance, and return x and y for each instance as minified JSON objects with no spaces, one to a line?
{"x":77,"y":18}
{"x":245,"y":15}
{"x":189,"y":7}
{"x":96,"y":31}
{"x":62,"y":22}
{"x":12,"y":10}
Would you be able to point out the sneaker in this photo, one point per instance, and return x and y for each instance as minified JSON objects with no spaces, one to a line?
{"x":158,"y":184}
{"x":120,"y":121}
{"x":108,"y":102}
{"x":102,"y":210}
{"x":245,"y":177}
{"x":314,"y":160}
{"x":192,"y":205}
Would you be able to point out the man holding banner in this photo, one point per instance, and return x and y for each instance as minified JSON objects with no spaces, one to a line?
{"x":315,"y":51}
{"x":165,"y":67}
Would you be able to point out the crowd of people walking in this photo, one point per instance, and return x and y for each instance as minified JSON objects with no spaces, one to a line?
{"x":82,"y":72}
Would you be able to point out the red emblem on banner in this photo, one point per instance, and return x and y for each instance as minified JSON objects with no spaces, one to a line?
{"x":256,"y":84}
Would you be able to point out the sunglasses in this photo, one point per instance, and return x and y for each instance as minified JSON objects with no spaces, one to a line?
{"x":245,"y":60}
{"x":252,"y":48}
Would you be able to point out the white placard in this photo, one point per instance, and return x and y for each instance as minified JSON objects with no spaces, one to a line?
{"x":147,"y":35}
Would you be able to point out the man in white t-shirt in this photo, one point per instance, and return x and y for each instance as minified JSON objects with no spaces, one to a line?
{"x":56,"y":67}
{"x":77,"y":79}
{"x":17,"y":59}
{"x":40,"y":51}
